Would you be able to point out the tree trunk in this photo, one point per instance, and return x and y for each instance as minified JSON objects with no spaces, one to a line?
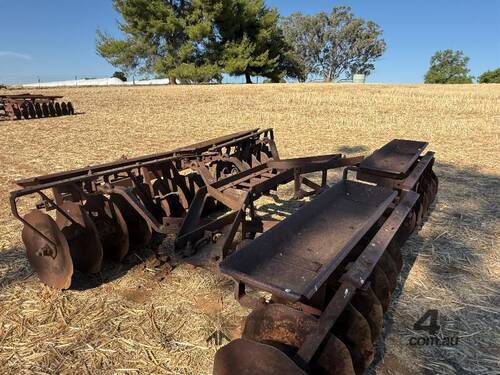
{"x":171,"y":81}
{"x":248,"y":78}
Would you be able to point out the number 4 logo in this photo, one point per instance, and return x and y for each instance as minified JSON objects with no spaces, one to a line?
{"x":432,"y":327}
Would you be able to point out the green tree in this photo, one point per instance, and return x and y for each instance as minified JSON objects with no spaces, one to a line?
{"x":250,"y":42}
{"x":448,"y":66}
{"x":490,"y":76}
{"x":120,"y":75}
{"x":334,"y":45}
{"x":166,"y":38}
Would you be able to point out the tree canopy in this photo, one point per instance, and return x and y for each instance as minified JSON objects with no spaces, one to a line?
{"x":251,"y":42}
{"x":448,"y":66}
{"x":199,"y":40}
{"x":164,"y":38}
{"x":333,"y":45}
{"x":490,"y":76}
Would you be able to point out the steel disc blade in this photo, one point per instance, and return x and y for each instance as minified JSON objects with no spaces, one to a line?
{"x":52,"y":110}
{"x":71,"y":110}
{"x":251,"y":358}
{"x":64,"y":108}
{"x":436,"y":182}
{"x":31,"y":110}
{"x":278,"y":324}
{"x":354,"y":331}
{"x":17,"y":111}
{"x":82,"y":236}
{"x":24,"y":111}
{"x":387,"y":264}
{"x":408,"y":227}
{"x":170,"y":202}
{"x":334,"y":358}
{"x":57,"y":107}
{"x":111,"y":226}
{"x":432,"y":188}
{"x":367,"y":303}
{"x":139,"y":230}
{"x":38,"y":110}
{"x":395,"y":252}
{"x":425,"y":202}
{"x":45,"y":110}
{"x":52,"y":262}
{"x":286,"y":329}
{"x":380,"y":287}
{"x":419,"y":208}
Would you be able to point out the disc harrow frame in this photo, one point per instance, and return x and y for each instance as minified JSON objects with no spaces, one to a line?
{"x":29,"y":106}
{"x":329,"y":292}
{"x":330,"y":268}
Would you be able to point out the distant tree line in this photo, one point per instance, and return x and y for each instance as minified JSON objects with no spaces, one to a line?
{"x":200,"y":40}
{"x":450,"y":66}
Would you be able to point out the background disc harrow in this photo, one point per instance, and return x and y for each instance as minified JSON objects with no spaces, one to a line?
{"x":27,"y":106}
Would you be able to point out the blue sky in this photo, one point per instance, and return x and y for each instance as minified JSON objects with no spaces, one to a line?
{"x":55,"y":39}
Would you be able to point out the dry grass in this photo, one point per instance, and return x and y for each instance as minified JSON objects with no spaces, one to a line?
{"x":147,"y":320}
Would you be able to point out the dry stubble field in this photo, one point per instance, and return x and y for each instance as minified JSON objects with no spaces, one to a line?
{"x":144,"y":319}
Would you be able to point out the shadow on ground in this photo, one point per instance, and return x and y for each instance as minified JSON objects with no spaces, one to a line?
{"x":468,"y":209}
{"x":14,"y":267}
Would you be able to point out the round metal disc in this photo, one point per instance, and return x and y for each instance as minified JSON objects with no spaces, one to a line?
{"x":286,"y":329}
{"x":139,"y":230}
{"x":279,"y":324}
{"x":82,"y":236}
{"x":436,"y":182}
{"x":389,"y":266}
{"x":71,"y":110}
{"x":170,"y":203}
{"x":367,"y":303}
{"x":433,"y":186}
{"x":38,"y":110}
{"x":354,"y":331}
{"x":52,"y":110}
{"x":111,"y":226}
{"x":57,"y":106}
{"x":24,"y":111}
{"x":427,"y":200}
{"x":251,"y":358}
{"x":395,"y":252}
{"x":45,"y":110}
{"x":64,"y":108}
{"x":333,"y":359}
{"x":380,"y":287}
{"x":17,"y":111}
{"x":52,"y":262}
{"x":420,"y":211}
{"x":31,"y":110}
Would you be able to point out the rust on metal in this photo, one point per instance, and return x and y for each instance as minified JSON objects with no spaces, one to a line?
{"x":329,"y":269}
{"x":30,"y":106}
